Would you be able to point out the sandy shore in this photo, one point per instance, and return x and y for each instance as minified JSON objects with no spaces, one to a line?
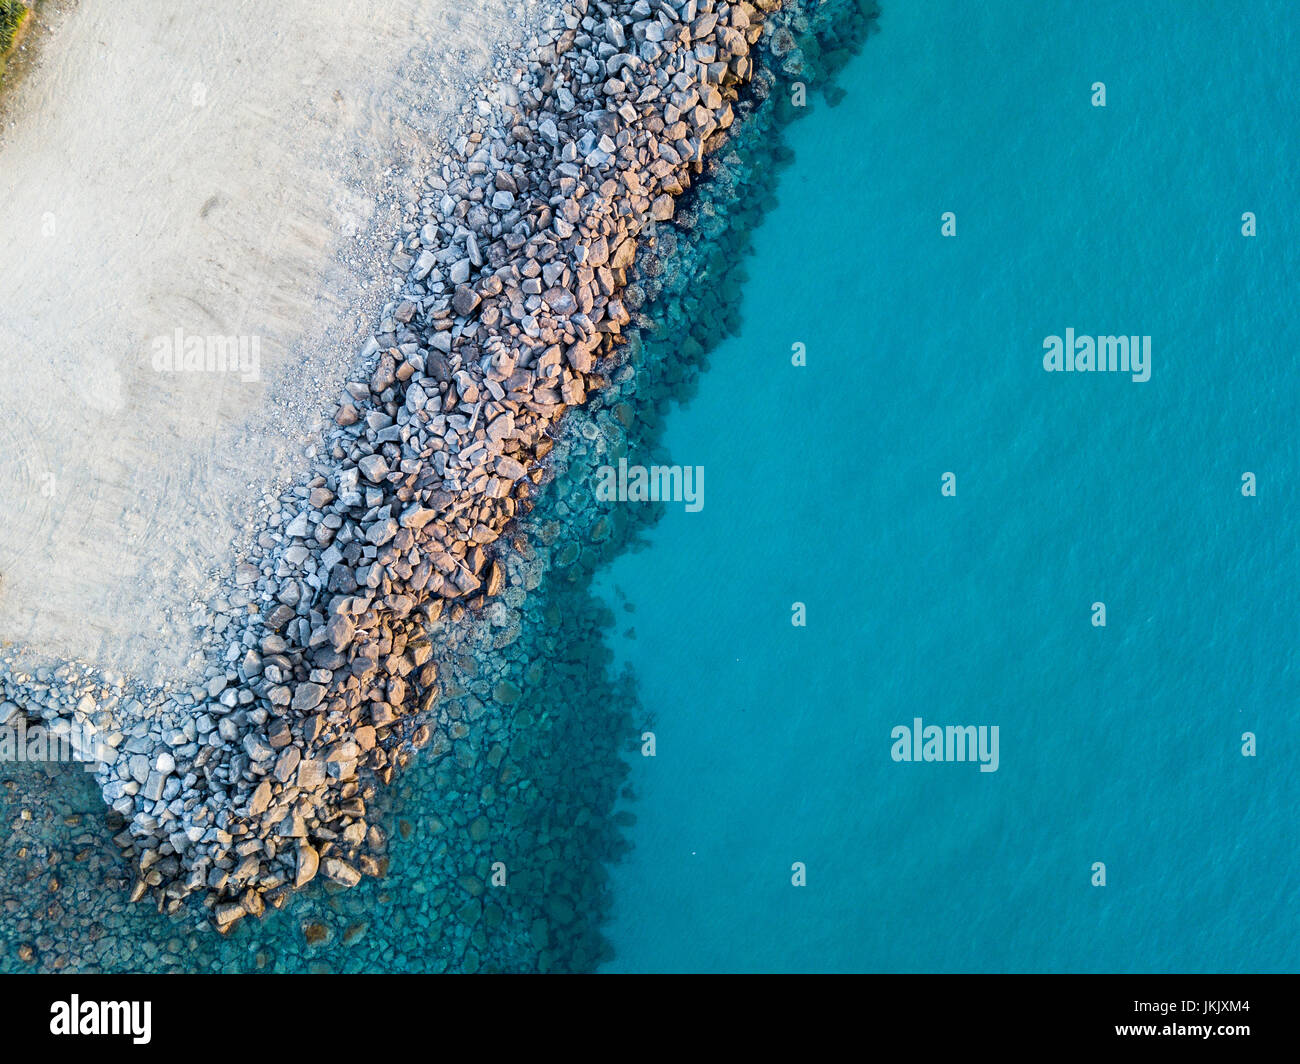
{"x":216,"y":171}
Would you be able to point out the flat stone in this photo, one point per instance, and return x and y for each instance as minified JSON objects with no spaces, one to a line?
{"x":311,"y":774}
{"x":417,"y":516}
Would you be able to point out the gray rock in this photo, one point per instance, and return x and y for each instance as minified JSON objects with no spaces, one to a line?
{"x":287,"y":763}
{"x":373,"y":468}
{"x":153,"y":786}
{"x":465,"y":300}
{"x":257,"y":748}
{"x":307,"y":696}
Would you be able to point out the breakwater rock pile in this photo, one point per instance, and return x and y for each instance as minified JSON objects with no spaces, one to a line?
{"x":531,"y":734}
{"x":515,"y":258}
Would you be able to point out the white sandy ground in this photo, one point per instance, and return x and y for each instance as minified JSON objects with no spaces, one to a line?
{"x":212,"y":166}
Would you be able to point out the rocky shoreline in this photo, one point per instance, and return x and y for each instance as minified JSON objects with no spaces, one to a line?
{"x":527,"y":762}
{"x":259,"y":780}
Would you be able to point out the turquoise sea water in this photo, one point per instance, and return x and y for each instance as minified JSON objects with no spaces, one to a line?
{"x":1119,"y":744}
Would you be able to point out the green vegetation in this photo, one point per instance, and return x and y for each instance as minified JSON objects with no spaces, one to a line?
{"x":13,"y":13}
